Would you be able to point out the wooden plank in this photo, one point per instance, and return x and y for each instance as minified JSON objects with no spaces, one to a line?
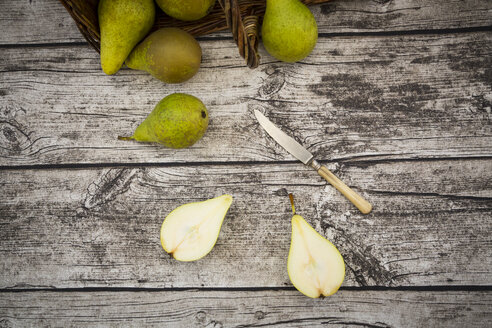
{"x":347,"y":308}
{"x":39,"y":22}
{"x":385,"y":97}
{"x":100,"y":227}
{"x":36,"y":22}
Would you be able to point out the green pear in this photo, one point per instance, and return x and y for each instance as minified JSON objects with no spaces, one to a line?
{"x":123,"y":23}
{"x":187,"y":10}
{"x":177,"y":121}
{"x":289,"y":30}
{"x":314,"y":265}
{"x":169,"y":54}
{"x":191,"y":230}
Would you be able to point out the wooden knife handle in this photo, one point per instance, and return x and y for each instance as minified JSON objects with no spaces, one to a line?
{"x":363,"y":205}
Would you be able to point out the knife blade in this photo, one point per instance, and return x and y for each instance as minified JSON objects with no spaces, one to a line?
{"x":287,"y":142}
{"x":302,"y":154}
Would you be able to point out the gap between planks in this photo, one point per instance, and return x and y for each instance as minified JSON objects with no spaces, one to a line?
{"x":429,"y":288}
{"x":444,"y":31}
{"x":349,"y":161}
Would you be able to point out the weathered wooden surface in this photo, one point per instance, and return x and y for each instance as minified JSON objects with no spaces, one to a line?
{"x":100,"y":227}
{"x":38,"y":22}
{"x":377,"y":309}
{"x":387,"y":97}
{"x":396,"y":99}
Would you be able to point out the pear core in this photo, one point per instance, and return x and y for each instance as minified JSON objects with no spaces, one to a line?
{"x":191,"y":230}
{"x":315,"y":266}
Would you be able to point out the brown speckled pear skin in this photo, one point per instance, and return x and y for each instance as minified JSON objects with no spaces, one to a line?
{"x":169,"y":54}
{"x":186,"y":10}
{"x":289,"y":31}
{"x":178,"y":121}
{"x":123,"y":23}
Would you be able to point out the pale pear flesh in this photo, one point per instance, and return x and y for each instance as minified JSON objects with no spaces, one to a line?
{"x":315,"y":266}
{"x":191,"y":230}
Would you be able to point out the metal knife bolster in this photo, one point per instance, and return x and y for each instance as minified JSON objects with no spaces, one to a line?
{"x":314,"y":164}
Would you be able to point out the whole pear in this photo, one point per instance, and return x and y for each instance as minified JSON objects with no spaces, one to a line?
{"x":178,"y":121}
{"x":169,"y":54}
{"x":289,"y":30}
{"x":123,"y":23}
{"x":186,"y":10}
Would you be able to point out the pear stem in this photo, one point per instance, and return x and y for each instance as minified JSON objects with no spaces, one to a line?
{"x":125,"y":138}
{"x":291,"y":197}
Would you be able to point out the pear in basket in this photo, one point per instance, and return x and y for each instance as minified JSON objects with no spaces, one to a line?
{"x":123,"y":23}
{"x":289,"y":30}
{"x":169,"y":54}
{"x":186,"y":10}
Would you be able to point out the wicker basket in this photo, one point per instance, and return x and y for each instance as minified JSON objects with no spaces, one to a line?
{"x":242,"y":17}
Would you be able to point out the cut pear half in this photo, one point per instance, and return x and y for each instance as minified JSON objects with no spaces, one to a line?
{"x":315,"y":266}
{"x":191,"y":230}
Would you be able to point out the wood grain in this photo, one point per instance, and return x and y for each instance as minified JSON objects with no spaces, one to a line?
{"x":395,"y":97}
{"x":396,"y":100}
{"x":96,"y":227}
{"x":36,"y":22}
{"x":40,"y":22}
{"x":377,"y":309}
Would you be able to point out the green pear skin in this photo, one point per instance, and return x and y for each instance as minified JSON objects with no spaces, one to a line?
{"x":169,"y":54}
{"x":123,"y":23}
{"x":178,"y":121}
{"x":186,"y":10}
{"x":289,"y":30}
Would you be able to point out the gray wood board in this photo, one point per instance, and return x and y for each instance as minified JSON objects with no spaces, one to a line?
{"x":47,"y":21}
{"x":99,"y":227}
{"x":347,"y":308}
{"x":392,"y":97}
{"x":398,"y":93}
